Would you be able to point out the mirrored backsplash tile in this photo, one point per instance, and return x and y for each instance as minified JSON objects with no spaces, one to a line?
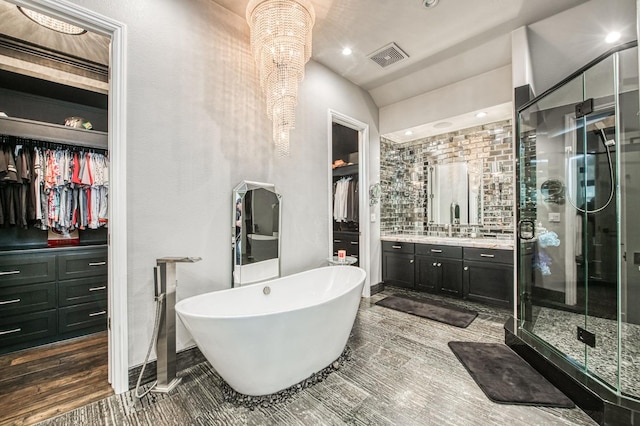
{"x":404,"y":179}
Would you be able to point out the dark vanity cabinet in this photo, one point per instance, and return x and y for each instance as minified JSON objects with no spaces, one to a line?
{"x":439,"y":269}
{"x":51,"y":294}
{"x":488,"y":276}
{"x":398,"y":264}
{"x":483,"y":275}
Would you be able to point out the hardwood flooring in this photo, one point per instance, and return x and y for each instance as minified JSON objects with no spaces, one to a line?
{"x":40,"y":383}
{"x":402,"y":372}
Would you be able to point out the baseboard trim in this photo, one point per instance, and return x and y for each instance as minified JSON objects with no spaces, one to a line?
{"x":184,"y":359}
{"x":377,"y":288}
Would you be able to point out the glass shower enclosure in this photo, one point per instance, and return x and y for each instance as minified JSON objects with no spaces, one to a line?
{"x":578,"y":211}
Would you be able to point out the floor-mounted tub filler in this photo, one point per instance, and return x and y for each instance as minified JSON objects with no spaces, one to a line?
{"x":266,"y":337}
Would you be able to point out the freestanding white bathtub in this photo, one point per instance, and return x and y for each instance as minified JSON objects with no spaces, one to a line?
{"x":266,"y":337}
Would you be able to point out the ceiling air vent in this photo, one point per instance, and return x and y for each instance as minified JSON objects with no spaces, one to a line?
{"x":388,"y":55}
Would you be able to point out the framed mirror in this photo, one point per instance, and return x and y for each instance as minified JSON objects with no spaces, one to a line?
{"x":256,"y":233}
{"x":455,"y":191}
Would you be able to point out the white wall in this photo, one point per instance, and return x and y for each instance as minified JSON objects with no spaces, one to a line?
{"x":303,"y":178}
{"x":196,"y":127}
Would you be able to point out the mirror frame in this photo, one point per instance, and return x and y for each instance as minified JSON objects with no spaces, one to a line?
{"x":239,"y":192}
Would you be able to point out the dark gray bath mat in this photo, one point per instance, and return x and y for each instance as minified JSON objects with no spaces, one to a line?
{"x":431,"y":309}
{"x":505,"y":377}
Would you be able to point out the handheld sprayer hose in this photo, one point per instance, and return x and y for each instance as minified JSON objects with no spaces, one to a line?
{"x":154,"y":336}
{"x":612,"y":187}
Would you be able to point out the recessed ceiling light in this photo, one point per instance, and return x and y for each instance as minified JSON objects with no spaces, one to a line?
{"x":51,"y":23}
{"x":612,"y":37}
{"x":430,"y":3}
{"x":346,"y":51}
{"x":408,"y":133}
{"x":481,"y":114}
{"x":442,"y":124}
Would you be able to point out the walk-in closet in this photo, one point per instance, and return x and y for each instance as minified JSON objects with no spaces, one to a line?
{"x":346,"y":189}
{"x":54,"y":220}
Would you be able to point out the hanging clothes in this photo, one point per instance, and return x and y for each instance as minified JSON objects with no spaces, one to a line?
{"x":352,"y":201}
{"x":60,"y":188}
{"x":341,"y":194}
{"x":345,"y":200}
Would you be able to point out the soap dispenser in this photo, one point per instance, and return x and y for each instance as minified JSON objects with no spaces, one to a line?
{"x":454,"y":213}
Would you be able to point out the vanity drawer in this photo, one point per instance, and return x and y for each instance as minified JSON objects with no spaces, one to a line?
{"x":27,"y":327}
{"x":27,"y":268}
{"x":79,"y":317}
{"x":434,"y":250}
{"x":492,"y":255}
{"x":82,"y":263}
{"x":27,"y":298}
{"x":396,"y":247}
{"x":82,"y":290}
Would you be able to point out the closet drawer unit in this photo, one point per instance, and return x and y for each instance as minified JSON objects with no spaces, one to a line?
{"x":27,"y":298}
{"x":353,"y":245}
{"x":396,"y":247}
{"x":452,"y":252}
{"x":82,"y":263}
{"x":26,"y":268}
{"x":491,"y":255}
{"x":82,"y":290}
{"x":75,"y":318}
{"x":27,"y":327}
{"x":348,"y":241}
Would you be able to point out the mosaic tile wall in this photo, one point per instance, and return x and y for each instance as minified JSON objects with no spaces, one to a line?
{"x":404,"y":173}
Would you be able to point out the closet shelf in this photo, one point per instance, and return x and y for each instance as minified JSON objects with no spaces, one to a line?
{"x":49,"y":132}
{"x":345,"y":170}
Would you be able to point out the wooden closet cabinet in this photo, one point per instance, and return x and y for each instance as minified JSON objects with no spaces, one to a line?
{"x":51,"y":294}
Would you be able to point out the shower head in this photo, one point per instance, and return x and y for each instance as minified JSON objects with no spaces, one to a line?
{"x":599,"y":127}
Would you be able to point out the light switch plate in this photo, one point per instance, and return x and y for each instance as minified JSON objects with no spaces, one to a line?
{"x":373,"y":217}
{"x":554,"y":217}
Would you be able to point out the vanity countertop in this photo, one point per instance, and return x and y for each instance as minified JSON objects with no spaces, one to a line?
{"x":491,"y":243}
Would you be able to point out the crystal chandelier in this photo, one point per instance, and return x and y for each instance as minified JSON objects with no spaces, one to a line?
{"x":281,"y":46}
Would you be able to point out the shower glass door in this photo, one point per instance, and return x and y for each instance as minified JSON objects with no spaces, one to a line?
{"x":568,"y":232}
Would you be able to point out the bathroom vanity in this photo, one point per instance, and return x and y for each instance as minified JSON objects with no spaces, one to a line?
{"x":475,"y":269}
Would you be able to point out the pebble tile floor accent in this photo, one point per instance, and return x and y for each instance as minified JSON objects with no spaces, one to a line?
{"x":401,"y":372}
{"x":558,"y":328}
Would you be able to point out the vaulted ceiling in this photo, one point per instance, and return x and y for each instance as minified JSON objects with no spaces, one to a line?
{"x":455,"y":40}
{"x":445,"y":44}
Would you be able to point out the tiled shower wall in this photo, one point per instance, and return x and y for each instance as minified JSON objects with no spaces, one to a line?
{"x":404,"y":174}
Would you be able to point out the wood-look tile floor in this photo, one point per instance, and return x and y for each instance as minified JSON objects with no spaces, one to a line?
{"x":401,"y":373}
{"x":40,"y":383}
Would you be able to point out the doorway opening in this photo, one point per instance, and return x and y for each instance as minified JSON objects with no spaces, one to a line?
{"x":115,"y":241}
{"x":349,"y":201}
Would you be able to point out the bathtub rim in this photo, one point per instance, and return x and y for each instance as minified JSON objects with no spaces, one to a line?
{"x":360,"y":284}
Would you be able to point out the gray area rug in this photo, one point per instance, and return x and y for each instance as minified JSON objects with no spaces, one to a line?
{"x":430,"y":309}
{"x":505,"y":377}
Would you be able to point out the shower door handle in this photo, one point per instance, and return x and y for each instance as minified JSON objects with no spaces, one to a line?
{"x":526,"y":229}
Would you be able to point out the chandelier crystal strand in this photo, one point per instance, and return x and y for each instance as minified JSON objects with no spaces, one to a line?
{"x":281,"y":46}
